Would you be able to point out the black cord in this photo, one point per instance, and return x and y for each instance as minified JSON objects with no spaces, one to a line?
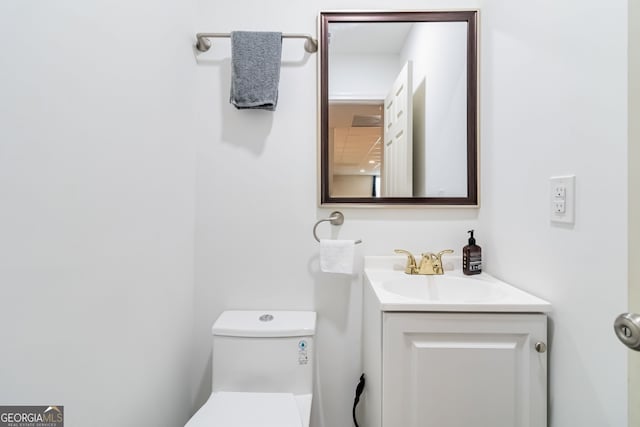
{"x":359,"y":390}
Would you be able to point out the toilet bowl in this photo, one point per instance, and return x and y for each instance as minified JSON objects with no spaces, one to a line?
{"x":262,"y":370}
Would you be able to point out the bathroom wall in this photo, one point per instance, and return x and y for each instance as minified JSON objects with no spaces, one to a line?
{"x":352,"y":185}
{"x":257,"y":204}
{"x":364,"y":76}
{"x":114,"y":140}
{"x":553,"y":102}
{"x":439,"y":53}
{"x":97,"y":197}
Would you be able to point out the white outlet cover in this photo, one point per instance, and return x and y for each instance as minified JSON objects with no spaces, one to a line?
{"x":568,"y":184}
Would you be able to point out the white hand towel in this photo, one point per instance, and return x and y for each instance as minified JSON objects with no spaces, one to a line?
{"x":336,"y":256}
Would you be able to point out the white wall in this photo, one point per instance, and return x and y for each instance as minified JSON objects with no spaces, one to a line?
{"x":364,"y":76}
{"x":438,"y":52}
{"x":352,"y":185}
{"x":554,"y":101}
{"x":97,"y":145}
{"x":97,"y":209}
{"x":257,"y":205}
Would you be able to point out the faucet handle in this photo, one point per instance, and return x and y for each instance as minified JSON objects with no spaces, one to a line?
{"x":432,"y":263}
{"x":439,"y":266}
{"x":446,"y":251}
{"x":411,"y":267}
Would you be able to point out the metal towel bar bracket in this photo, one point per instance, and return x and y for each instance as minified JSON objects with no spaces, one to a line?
{"x":336,"y":218}
{"x":203,"y":43}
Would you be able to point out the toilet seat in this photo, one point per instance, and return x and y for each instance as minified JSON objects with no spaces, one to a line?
{"x":240,"y":409}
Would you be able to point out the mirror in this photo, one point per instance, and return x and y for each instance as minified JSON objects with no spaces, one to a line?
{"x":398,"y":108}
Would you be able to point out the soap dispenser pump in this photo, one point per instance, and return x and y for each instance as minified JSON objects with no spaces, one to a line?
{"x":471,"y":257}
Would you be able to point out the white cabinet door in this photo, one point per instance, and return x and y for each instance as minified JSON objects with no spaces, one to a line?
{"x":464,"y":369}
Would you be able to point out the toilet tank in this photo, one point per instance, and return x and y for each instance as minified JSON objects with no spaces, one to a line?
{"x":264,"y":351}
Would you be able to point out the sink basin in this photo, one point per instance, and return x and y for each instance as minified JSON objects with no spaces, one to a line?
{"x":393,"y":290}
{"x":444,"y":288}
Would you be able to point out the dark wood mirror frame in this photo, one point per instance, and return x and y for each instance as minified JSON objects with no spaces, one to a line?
{"x":470,"y":17}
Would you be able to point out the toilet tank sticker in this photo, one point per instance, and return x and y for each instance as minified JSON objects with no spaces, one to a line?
{"x":303,"y":358}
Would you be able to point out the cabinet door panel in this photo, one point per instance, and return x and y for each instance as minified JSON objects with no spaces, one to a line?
{"x":463,"y":369}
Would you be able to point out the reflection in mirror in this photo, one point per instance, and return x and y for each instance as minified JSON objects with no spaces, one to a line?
{"x":398,"y":108}
{"x":355,"y":148}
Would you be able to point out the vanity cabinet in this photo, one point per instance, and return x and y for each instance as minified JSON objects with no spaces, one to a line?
{"x":454,"y":369}
{"x":463,"y":369}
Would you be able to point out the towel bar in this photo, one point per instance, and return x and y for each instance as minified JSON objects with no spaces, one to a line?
{"x":336,"y":218}
{"x":203,"y":43}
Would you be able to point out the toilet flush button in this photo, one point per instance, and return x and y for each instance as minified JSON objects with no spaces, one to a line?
{"x":266,"y":318}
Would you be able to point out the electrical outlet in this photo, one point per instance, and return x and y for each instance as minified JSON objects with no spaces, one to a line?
{"x":562,"y":198}
{"x":560,"y":191}
{"x":559,"y":206}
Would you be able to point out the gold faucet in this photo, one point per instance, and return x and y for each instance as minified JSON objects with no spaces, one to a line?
{"x":430,"y":264}
{"x":411,"y":267}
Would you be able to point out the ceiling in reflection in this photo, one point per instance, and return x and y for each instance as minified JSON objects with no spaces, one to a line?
{"x":380,"y":38}
{"x":356,"y":137}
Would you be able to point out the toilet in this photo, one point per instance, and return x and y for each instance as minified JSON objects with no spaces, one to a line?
{"x":262,"y":370}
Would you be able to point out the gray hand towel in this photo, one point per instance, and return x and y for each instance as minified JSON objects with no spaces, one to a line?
{"x":255,"y":69}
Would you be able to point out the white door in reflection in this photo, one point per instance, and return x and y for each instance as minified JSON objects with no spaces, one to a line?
{"x":397,"y":169}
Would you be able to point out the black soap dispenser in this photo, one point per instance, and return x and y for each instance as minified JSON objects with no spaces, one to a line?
{"x":471,"y":257}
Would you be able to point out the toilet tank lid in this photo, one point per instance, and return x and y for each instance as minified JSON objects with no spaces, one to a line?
{"x":266,"y":323}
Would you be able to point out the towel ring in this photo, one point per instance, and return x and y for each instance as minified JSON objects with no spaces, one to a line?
{"x":336,"y":218}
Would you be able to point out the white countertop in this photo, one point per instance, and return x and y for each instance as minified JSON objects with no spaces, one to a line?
{"x":452,"y":292}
